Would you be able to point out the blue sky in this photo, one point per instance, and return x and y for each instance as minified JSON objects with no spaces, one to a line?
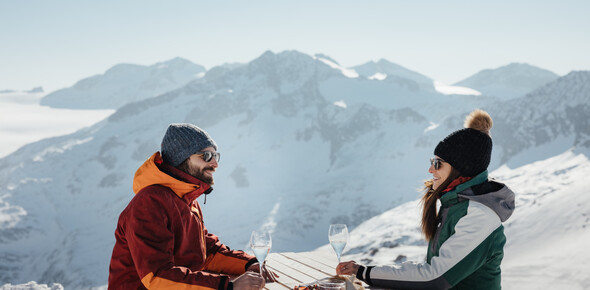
{"x":56,"y":43}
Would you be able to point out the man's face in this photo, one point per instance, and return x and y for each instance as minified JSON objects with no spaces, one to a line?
{"x":198,"y":168}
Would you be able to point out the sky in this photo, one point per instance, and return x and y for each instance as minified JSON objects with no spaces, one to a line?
{"x":56,"y":43}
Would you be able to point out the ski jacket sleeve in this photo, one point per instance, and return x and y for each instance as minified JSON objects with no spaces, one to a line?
{"x":459,"y":256}
{"x":221,"y":259}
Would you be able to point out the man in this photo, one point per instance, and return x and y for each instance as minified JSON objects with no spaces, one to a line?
{"x":161,"y":241}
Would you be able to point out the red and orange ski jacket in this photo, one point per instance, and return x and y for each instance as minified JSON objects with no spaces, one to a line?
{"x":161,"y":241}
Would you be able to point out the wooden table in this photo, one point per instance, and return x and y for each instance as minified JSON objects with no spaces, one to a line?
{"x":300,"y":268}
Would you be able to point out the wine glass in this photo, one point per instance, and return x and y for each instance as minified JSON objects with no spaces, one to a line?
{"x":338,"y":236}
{"x":260,"y":242}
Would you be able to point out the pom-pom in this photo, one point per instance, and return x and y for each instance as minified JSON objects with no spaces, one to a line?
{"x":479,"y":120}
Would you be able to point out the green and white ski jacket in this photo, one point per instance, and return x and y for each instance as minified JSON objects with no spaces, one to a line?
{"x":468,"y":246}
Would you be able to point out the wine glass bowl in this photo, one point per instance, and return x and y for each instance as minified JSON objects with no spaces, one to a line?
{"x":260,"y":243}
{"x":338,"y":236}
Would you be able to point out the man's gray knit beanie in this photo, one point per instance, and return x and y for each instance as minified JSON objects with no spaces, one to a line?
{"x":183,"y":140}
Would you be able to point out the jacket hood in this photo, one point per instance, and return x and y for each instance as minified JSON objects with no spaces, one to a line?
{"x":155,"y":172}
{"x":500,"y":200}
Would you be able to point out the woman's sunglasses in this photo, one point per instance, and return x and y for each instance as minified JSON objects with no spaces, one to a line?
{"x":208,"y":155}
{"x":436,"y":162}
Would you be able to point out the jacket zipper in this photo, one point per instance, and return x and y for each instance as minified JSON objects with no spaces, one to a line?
{"x":444,"y":213}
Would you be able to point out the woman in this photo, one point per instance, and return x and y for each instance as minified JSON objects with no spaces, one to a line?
{"x":466,"y":236}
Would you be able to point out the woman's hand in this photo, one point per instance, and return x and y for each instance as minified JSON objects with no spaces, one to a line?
{"x":347,"y":268}
{"x":269,"y":276}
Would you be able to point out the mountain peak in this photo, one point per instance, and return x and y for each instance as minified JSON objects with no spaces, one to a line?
{"x":123,"y":68}
{"x":384,"y":69}
{"x":508,"y":81}
{"x":522,"y":67}
{"x":124,"y":83}
{"x":383,"y":61}
{"x":290,"y":64}
{"x":176,"y":62}
{"x":287,"y":56}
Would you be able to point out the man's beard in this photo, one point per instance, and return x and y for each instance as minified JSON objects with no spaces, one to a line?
{"x":197,"y":173}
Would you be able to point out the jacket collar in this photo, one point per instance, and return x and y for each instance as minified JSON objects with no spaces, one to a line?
{"x":156,"y":171}
{"x":451,"y":196}
{"x":500,"y":200}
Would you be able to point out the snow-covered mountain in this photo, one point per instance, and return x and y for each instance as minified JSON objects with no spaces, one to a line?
{"x":509,"y":81}
{"x":125,"y":83}
{"x":546,"y":235}
{"x":391,"y":72}
{"x":305,"y":143}
{"x":545,"y":122}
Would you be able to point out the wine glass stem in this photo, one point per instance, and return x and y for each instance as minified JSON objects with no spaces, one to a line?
{"x":262,"y":269}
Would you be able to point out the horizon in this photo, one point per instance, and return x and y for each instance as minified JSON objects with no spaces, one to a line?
{"x":55,"y":44}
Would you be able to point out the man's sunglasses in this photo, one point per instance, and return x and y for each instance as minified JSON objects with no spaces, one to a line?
{"x":436,"y":162}
{"x":208,"y":155}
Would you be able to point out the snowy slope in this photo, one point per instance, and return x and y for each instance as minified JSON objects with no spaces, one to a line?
{"x":305,"y":143}
{"x":454,"y":90}
{"x":550,"y":245}
{"x":509,"y":81}
{"x":125,"y":83}
{"x":391,"y":72}
{"x":546,"y":236}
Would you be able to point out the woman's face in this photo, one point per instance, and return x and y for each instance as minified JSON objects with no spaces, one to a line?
{"x":439,"y":175}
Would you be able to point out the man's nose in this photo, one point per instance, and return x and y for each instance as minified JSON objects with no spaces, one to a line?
{"x":214,"y":163}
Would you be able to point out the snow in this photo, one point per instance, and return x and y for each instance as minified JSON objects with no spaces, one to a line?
{"x":432,"y":126}
{"x":23,"y":120}
{"x":454,"y":90}
{"x":270,"y":222}
{"x":340,"y":104}
{"x":349,"y":73}
{"x":385,"y":238}
{"x":550,"y":229}
{"x":32,"y":286}
{"x":378,"y":76}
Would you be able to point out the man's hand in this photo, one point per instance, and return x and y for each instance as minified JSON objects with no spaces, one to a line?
{"x":248,"y":281}
{"x":347,"y":268}
{"x":269,"y":276}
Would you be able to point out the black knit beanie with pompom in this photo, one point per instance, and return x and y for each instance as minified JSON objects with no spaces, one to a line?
{"x":469,"y":150}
